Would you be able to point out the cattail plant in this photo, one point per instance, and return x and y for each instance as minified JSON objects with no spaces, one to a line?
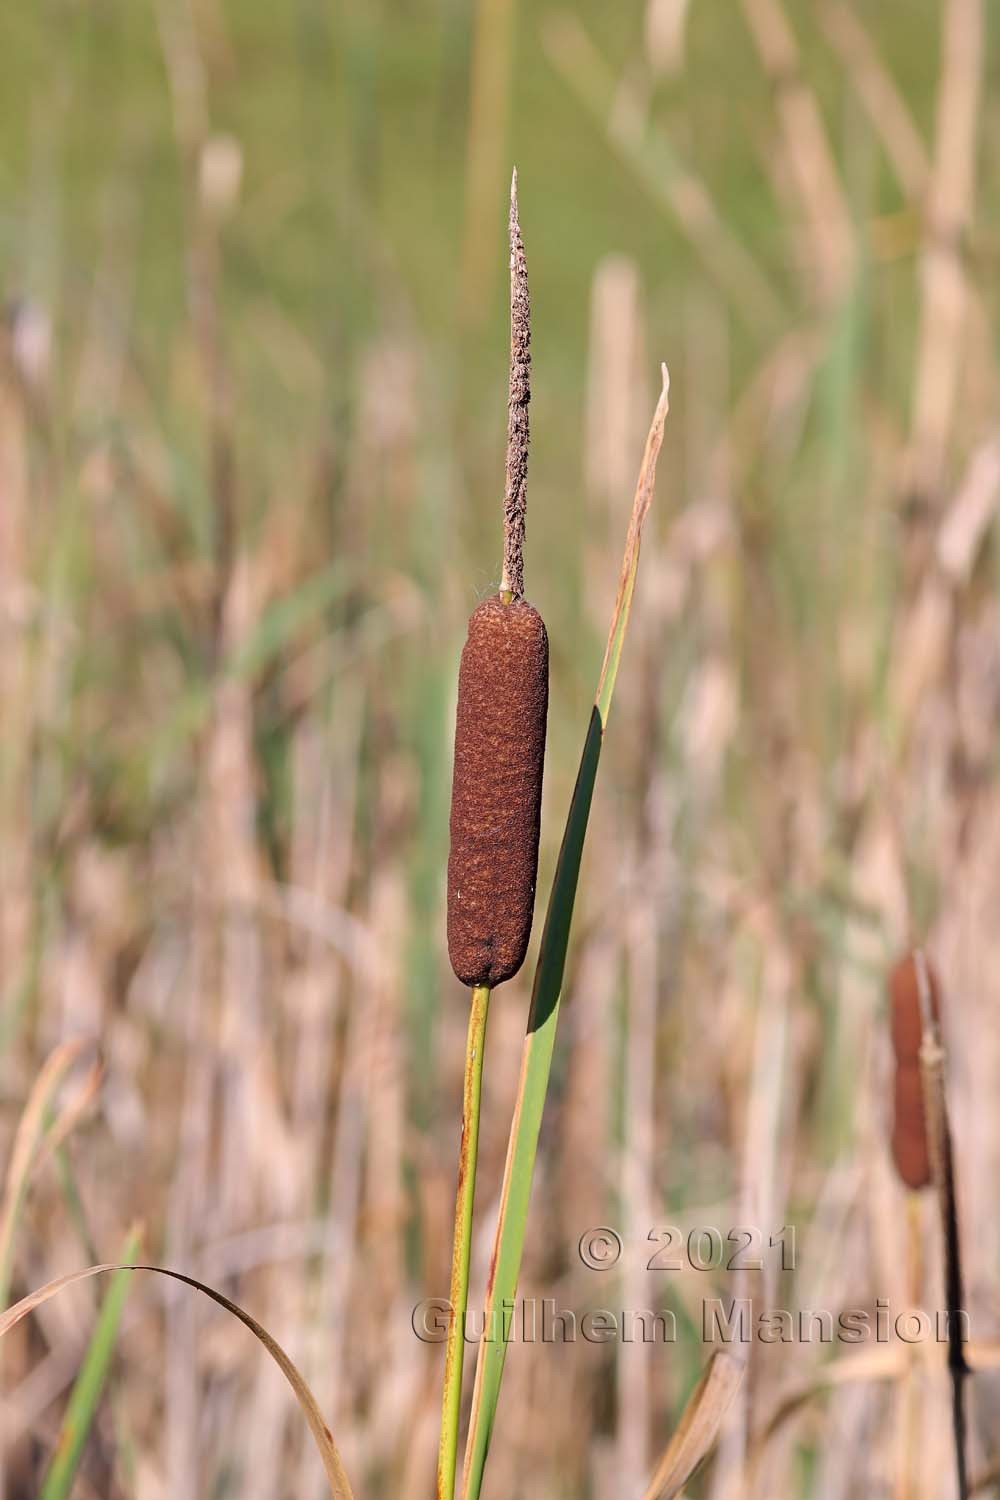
{"x":503,"y":693}
{"x":922,"y":1149}
{"x":700,"y":1421}
{"x":499,"y":750}
{"x":496,"y":802}
{"x":910,"y":1148}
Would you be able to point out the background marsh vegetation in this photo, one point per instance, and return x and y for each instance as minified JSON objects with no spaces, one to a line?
{"x":252,"y":421}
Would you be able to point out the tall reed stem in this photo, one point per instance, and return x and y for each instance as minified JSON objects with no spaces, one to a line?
{"x":943,"y":1165}
{"x":451,"y":1399}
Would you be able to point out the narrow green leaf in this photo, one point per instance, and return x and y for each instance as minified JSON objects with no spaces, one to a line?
{"x":83,"y":1403}
{"x":286,"y":617}
{"x":536,"y":1059}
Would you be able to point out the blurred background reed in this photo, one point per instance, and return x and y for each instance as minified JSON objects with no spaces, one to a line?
{"x":252,"y":416}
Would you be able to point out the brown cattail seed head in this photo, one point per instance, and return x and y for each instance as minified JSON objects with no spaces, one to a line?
{"x":910,"y":1149}
{"x":496,"y":799}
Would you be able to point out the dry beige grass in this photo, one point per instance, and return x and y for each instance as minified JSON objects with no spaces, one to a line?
{"x":224,"y":701}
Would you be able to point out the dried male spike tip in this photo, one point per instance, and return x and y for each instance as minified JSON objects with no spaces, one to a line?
{"x":515,"y":499}
{"x":910,"y":1149}
{"x":503,"y":696}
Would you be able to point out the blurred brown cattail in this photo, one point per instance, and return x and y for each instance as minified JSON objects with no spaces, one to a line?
{"x":503,"y":693}
{"x":922,"y":1148}
{"x":910,"y":1149}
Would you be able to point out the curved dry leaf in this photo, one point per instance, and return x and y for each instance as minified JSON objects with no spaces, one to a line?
{"x":699,"y":1425}
{"x":340,"y":1488}
{"x":76,"y":1108}
{"x":645,"y":485}
{"x":873,"y":1364}
{"x":34,"y":1129}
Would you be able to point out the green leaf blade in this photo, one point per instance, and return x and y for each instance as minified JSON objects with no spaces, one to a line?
{"x":89,"y":1385}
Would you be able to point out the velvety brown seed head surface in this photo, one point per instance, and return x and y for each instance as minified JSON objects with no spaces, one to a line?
{"x":904,"y":998}
{"x":910,"y":1149}
{"x":496,"y":799}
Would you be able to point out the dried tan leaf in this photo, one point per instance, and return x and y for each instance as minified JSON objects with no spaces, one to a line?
{"x":36,"y":1130}
{"x":698,"y":1427}
{"x":872,"y":1364}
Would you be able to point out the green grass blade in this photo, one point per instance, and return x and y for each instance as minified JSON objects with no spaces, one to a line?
{"x":76,"y":1424}
{"x":287,"y":617}
{"x":536,"y":1060}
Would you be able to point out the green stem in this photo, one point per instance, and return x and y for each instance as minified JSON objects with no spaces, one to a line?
{"x":83,"y":1403}
{"x":451,"y":1397}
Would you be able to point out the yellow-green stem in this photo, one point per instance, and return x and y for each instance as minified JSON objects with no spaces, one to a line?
{"x":451,"y":1398}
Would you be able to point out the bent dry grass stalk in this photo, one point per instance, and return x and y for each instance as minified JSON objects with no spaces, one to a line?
{"x":44,"y":1126}
{"x":340,"y":1488}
